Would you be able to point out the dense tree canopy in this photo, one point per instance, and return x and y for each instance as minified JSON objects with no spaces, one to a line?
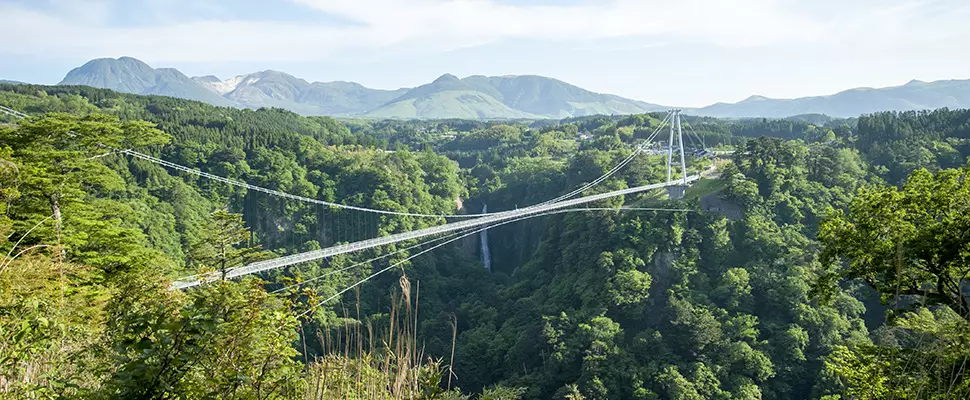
{"x":911,"y":245}
{"x":762,"y":289}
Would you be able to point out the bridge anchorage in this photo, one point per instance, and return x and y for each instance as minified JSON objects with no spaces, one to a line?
{"x":676,"y":189}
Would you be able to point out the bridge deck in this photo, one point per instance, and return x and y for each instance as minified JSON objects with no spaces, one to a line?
{"x":400,"y":237}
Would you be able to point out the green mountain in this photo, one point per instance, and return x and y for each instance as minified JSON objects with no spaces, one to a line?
{"x":448,"y":97}
{"x":915,"y":95}
{"x":130,"y":75}
{"x":464,"y":104}
{"x":510,"y":97}
{"x":551,"y":97}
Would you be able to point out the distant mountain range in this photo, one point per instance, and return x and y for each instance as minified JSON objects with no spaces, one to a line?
{"x":481,"y":97}
{"x":915,"y":95}
{"x":477,"y":97}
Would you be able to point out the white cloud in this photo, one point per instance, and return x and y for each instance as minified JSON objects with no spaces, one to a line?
{"x":422,"y":24}
{"x":92,"y":12}
{"x":904,"y":23}
{"x":738,"y":22}
{"x":437,"y":25}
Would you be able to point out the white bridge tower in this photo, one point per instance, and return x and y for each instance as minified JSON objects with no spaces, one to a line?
{"x":676,"y":192}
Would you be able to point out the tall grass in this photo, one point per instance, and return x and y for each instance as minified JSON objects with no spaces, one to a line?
{"x":379,"y":358}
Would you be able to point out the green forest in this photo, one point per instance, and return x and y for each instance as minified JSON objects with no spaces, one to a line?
{"x":825,"y":258}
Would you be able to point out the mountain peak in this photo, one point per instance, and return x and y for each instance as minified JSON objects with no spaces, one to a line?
{"x":267,"y":72}
{"x":446,"y":78}
{"x":124,"y":74}
{"x":129,"y":62}
{"x":120,"y":61}
{"x":127,"y":59}
{"x":130,"y":75}
{"x":207,"y":78}
{"x":755,"y":98}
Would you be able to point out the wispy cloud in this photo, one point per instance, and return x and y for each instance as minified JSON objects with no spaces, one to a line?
{"x":67,"y":29}
{"x":738,"y":22}
{"x":430,"y":25}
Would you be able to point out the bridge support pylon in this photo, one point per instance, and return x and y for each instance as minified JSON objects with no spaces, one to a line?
{"x":676,"y":192}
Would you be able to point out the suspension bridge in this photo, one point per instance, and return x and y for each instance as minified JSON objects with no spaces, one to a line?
{"x":676,"y":188}
{"x":468,"y":224}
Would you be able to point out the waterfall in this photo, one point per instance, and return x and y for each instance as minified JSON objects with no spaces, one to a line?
{"x":486,"y":255}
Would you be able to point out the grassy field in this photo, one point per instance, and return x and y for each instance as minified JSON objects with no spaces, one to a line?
{"x":704,"y":187}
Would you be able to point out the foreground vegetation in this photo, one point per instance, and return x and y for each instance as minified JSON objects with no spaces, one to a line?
{"x":839,"y":276}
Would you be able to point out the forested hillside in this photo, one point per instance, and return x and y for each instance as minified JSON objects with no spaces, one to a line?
{"x":839,"y":274}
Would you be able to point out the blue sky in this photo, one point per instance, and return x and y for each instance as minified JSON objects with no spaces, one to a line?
{"x":684,"y":52}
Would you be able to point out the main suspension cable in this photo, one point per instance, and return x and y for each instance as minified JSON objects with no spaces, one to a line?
{"x":284,"y":194}
{"x":639,"y":149}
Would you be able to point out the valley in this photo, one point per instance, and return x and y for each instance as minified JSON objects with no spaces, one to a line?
{"x":484,"y":200}
{"x":735,"y":291}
